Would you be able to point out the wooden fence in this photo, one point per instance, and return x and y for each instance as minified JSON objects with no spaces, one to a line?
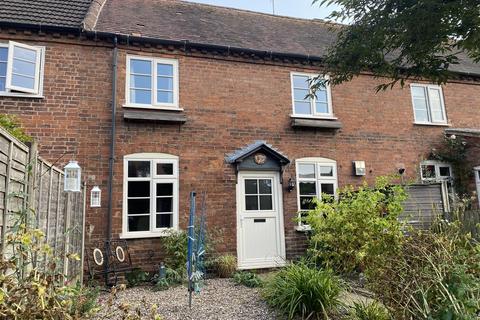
{"x":28,"y":181}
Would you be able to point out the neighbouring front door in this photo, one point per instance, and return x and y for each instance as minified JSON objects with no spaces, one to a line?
{"x":260,"y":234}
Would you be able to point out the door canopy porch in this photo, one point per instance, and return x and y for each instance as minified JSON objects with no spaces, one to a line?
{"x":258,"y":156}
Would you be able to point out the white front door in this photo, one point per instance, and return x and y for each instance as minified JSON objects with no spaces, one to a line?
{"x":260,"y":234}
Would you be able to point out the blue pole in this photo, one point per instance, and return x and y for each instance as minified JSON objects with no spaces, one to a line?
{"x":191,"y":239}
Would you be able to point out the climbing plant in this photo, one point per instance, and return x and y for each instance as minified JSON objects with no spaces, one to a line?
{"x":453,"y":150}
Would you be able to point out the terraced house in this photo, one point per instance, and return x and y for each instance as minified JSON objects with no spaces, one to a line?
{"x":158,"y":98}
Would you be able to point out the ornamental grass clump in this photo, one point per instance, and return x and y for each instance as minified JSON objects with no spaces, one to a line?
{"x":369,"y":311}
{"x":300,"y":290}
{"x":356,"y":230}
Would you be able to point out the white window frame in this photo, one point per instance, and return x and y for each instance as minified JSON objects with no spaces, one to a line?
{"x":476,"y":171}
{"x":438,"y":165}
{"x":154,"y":104}
{"x":153,"y":158}
{"x":313,"y":113}
{"x":318,"y":162}
{"x":430,"y":121}
{"x":14,"y":91}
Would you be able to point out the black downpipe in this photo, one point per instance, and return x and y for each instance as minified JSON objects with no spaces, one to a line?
{"x":111,"y":160}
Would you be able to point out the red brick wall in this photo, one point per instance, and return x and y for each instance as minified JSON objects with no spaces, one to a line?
{"x":228,"y":104}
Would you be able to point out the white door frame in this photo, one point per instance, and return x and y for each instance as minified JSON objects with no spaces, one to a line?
{"x":278,"y":191}
{"x":476,"y":172}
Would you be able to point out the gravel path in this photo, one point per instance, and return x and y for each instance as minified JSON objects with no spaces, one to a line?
{"x":219,"y":299}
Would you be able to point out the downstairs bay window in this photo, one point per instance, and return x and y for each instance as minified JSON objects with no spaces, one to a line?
{"x":316,"y":177}
{"x":150,"y":195}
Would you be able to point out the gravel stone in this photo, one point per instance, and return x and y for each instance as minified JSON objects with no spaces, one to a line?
{"x":218,"y":299}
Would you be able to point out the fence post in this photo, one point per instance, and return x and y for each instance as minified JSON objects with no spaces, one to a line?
{"x":82,"y":252}
{"x":67,"y":235}
{"x":31,"y":177}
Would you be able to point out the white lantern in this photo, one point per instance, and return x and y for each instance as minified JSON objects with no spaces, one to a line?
{"x":95,"y":197}
{"x":73,"y":177}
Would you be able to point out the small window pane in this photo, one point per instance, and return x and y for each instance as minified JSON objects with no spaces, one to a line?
{"x":321,"y":96}
{"x":428,"y":172}
{"x":138,"y":206}
{"x":138,"y":169}
{"x":436,"y":105}
{"x":24,"y":82}
{"x":308,"y":188}
{"x":164,"y":221}
{"x":164,"y":189}
{"x":302,"y":108}
{"x":3,"y":54}
{"x":140,"y":67}
{"x":418,"y":92}
{"x":141,"y":96}
{"x":3,"y":69}
{"x":328,"y":188}
{"x":321,"y":107}
{"x":326,"y":171}
{"x":421,"y":115}
{"x":444,"y":171}
{"x":266,"y":203}
{"x":250,"y":186}
{"x":24,"y":54}
{"x":306,"y":171}
{"x":140,"y":82}
{"x":2,"y":84}
{"x":301,"y":82}
{"x":164,"y":169}
{"x":138,"y":188}
{"x":306,"y":203}
{"x":138,"y":223}
{"x":24,"y":67}
{"x":164,"y":69}
{"x":301,"y":94}
{"x":251,"y":202}
{"x":164,"y":204}
{"x":164,"y":97}
{"x":265,"y":186}
{"x":165,"y":83}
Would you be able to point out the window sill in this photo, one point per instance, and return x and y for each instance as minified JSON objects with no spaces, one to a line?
{"x":145,"y":235}
{"x":153,"y":107}
{"x":21,"y":95}
{"x":321,"y":123}
{"x":303,"y":228}
{"x":432,"y":124}
{"x":155,"y":115}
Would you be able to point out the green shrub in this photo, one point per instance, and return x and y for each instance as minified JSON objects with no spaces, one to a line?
{"x":369,"y":311}
{"x":12,"y":125}
{"x":436,"y":275}
{"x":136,"y":277}
{"x":359,"y":228}
{"x":175,"y":245}
{"x":299,"y":290}
{"x":248,"y":279}
{"x":226,"y":265}
{"x":172,"y":278}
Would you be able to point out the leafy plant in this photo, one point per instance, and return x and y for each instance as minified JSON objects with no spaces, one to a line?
{"x":172,"y":277}
{"x":248,"y":279}
{"x":435,"y":275}
{"x":136,"y":277}
{"x":226,"y":265}
{"x":12,"y":125}
{"x":175,"y":245}
{"x":299,"y":290}
{"x":369,"y":311}
{"x":355,"y":231}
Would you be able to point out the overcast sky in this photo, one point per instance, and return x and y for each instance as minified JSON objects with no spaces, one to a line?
{"x":293,"y":8}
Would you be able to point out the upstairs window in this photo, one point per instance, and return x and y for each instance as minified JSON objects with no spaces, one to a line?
{"x":21,"y":69}
{"x":150,"y":195}
{"x":428,"y":105}
{"x":304,"y":105}
{"x":315,"y":177}
{"x":151,"y":82}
